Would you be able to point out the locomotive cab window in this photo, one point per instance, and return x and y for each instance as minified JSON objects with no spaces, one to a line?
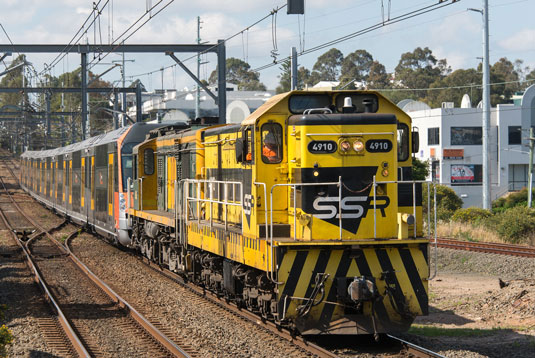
{"x":148,"y":156}
{"x":271,"y":135}
{"x":403,"y":142}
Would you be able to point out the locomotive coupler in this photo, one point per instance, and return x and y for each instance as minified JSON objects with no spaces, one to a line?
{"x":362,"y":289}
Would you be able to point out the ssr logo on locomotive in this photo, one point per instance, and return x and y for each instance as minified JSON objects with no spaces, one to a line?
{"x":331,"y":209}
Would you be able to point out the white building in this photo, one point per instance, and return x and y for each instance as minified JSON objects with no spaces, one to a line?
{"x":172,"y":105}
{"x":450,"y":138}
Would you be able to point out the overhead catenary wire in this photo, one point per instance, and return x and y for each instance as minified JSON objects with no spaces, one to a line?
{"x":117,"y":44}
{"x":246,"y":29}
{"x":393,"y":20}
{"x":74,"y":40}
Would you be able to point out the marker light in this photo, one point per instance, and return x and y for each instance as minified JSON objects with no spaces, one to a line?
{"x":358,"y":146}
{"x":316,"y":173}
{"x":385,"y":172}
{"x":345,"y":146}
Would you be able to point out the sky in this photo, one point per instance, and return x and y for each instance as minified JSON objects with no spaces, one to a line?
{"x":453,"y":32}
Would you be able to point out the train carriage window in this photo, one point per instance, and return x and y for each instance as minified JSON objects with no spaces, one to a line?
{"x":148,"y":156}
{"x":271,"y":135}
{"x":403,"y":142}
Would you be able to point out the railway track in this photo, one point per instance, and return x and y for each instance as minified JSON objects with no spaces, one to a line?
{"x":407,"y":349}
{"x":62,"y":279}
{"x":493,"y":248}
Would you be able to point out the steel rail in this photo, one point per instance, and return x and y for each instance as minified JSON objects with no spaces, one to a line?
{"x":244,"y":314}
{"x":414,"y":350}
{"x":487,"y":247}
{"x":138,"y":317}
{"x":75,"y":341}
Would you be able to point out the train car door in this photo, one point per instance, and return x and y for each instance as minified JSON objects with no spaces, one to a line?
{"x":110,"y":181}
{"x":162,"y":180}
{"x":61,"y":181}
{"x":90,"y":193}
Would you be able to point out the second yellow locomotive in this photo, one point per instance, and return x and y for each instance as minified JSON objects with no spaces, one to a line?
{"x":305,"y":212}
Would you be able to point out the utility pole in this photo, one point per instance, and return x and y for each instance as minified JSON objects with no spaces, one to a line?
{"x":485,"y":148}
{"x":530,"y":175}
{"x":486,"y":108}
{"x":62,"y":118}
{"x":123,"y":104}
{"x":198,"y":91}
{"x":293,"y":72}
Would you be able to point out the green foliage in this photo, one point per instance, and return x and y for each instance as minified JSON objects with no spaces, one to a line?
{"x":514,"y":225}
{"x":420,"y":169}
{"x":471,"y":215}
{"x":6,"y":336}
{"x":447,"y":201}
{"x":377,"y":76}
{"x":356,"y":67}
{"x":431,"y":331}
{"x":419,"y":69}
{"x":512,"y":200}
{"x":303,"y":77}
{"x":239,"y":73}
{"x":458,"y":78}
{"x":328,"y":65}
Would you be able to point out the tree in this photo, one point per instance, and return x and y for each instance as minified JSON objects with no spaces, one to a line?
{"x":303,"y":76}
{"x":11,"y":132}
{"x":450,"y":93}
{"x":328,"y":65}
{"x":420,"y":169}
{"x":419,"y":69}
{"x":503,"y":71}
{"x":356,"y":67}
{"x":377,"y":76}
{"x":530,"y":77}
{"x":239,"y":73}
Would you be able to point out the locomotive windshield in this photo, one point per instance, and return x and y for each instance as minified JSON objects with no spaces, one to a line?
{"x":299,"y":103}
{"x":126,"y":163}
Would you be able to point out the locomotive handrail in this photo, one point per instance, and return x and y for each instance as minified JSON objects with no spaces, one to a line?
{"x":225,"y":202}
{"x":294,"y":185}
{"x":413,"y":182}
{"x":345,"y":134}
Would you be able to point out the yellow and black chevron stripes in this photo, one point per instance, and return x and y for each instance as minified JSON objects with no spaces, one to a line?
{"x":400,"y":273}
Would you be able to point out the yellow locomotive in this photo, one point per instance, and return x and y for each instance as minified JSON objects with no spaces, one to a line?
{"x":305,"y":212}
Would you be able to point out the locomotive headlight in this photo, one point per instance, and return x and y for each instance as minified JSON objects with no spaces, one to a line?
{"x":358,"y":146}
{"x":385,"y":172}
{"x":345,"y":145}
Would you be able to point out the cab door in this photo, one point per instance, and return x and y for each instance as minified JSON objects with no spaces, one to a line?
{"x":272,"y":164}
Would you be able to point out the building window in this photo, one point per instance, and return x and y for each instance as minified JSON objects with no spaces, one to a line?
{"x":466,"y":135}
{"x":462,"y":174}
{"x":433,"y":135}
{"x":515,"y":135}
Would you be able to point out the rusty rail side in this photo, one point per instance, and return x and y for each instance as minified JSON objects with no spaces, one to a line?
{"x":71,"y":335}
{"x":494,"y":248}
